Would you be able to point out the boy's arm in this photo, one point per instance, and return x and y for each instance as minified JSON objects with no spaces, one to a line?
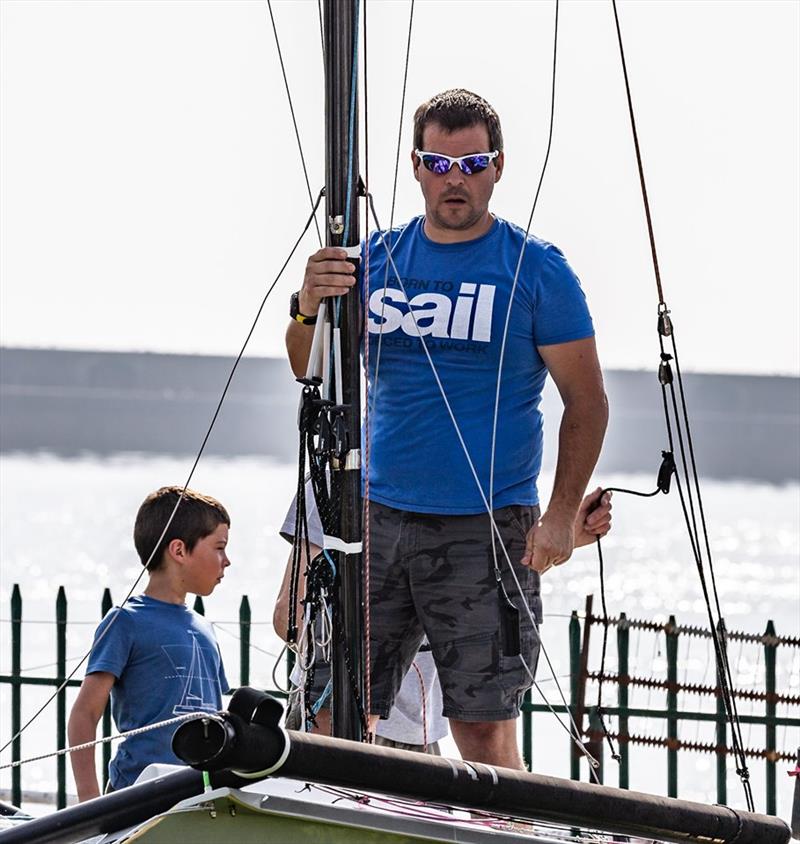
{"x":82,"y":728}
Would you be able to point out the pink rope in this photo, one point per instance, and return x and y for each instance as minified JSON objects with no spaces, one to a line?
{"x":424,"y":708}
{"x":365,"y":516}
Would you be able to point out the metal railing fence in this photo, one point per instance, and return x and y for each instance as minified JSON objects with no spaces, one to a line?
{"x":590,"y":724}
{"x":586,"y":717}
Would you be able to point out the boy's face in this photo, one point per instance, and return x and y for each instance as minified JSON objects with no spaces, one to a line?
{"x":204,"y":566}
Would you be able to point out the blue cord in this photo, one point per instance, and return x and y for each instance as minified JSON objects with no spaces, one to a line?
{"x":330,"y":561}
{"x":351,"y":133}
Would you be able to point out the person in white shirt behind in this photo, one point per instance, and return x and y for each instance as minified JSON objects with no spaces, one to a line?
{"x":415,"y":722}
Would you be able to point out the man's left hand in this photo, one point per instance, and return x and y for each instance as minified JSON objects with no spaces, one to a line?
{"x":593,"y":519}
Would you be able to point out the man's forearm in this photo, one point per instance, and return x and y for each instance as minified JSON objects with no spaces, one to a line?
{"x":583,"y":426}
{"x":298,"y":346}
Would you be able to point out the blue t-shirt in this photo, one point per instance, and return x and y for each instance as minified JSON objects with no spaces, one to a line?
{"x":167,"y":662}
{"x":459,"y":294}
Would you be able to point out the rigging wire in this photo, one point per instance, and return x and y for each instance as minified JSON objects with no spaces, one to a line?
{"x":639,"y":165}
{"x":615,"y":754}
{"x":495,"y":536}
{"x":369,"y":408}
{"x":321,"y":33}
{"x":214,"y":417}
{"x":502,"y":593}
{"x":392,"y":209}
{"x":294,"y":119}
{"x":665,"y":329}
{"x":519,"y":262}
{"x":390,"y":263}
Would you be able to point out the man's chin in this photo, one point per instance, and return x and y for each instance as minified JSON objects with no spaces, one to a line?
{"x":456,"y":219}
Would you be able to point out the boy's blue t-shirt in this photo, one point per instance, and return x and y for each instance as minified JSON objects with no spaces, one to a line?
{"x":460,"y":295}
{"x":167,"y":662}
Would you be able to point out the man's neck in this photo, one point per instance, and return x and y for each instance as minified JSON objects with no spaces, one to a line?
{"x":440,"y":234}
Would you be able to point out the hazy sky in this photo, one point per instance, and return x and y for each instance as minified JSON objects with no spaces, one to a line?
{"x":151,"y":182}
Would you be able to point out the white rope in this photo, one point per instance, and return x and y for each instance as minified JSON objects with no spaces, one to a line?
{"x":177,"y":719}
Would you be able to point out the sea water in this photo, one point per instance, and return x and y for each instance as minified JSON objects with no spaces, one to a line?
{"x":69,"y":522}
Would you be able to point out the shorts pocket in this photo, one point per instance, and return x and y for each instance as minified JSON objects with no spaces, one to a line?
{"x":520,"y":520}
{"x":519,"y":671}
{"x":468,"y":671}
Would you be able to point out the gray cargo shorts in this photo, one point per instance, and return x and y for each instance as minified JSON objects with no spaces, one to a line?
{"x":433,"y":575}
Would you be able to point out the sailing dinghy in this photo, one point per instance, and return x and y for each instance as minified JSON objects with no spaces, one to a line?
{"x":250,"y":779}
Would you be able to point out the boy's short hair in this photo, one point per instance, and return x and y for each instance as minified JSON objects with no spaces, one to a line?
{"x":197,"y":516}
{"x":458,"y":109}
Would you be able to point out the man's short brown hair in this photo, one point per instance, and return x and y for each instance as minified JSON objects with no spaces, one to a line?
{"x":197,"y":516}
{"x":458,"y":109}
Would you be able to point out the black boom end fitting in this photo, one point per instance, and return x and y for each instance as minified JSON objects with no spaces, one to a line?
{"x":245,"y":738}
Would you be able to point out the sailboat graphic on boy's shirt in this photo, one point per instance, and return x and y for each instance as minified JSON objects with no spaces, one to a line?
{"x":198,"y":678}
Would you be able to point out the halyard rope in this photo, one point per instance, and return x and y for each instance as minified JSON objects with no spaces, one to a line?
{"x":665,"y":329}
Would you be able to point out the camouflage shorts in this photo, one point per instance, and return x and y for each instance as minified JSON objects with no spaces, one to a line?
{"x":434,"y":575}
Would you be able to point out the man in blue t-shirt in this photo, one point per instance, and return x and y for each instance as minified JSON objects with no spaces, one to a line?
{"x":154,"y":656}
{"x":466,"y":316}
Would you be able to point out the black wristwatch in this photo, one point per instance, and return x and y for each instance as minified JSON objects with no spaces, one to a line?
{"x":294,"y":311}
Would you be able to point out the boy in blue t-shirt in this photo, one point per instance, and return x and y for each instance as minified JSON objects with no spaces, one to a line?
{"x":154,"y":656}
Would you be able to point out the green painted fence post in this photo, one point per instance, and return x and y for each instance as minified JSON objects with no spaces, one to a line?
{"x":244,"y":641}
{"x":722,"y":732}
{"x":199,"y":608}
{"x":672,"y":707}
{"x":105,"y":606}
{"x":770,"y":652}
{"x":623,"y":647}
{"x":527,"y":730}
{"x":16,"y":692}
{"x":61,"y":701}
{"x":574,"y":670}
{"x":722,"y":756}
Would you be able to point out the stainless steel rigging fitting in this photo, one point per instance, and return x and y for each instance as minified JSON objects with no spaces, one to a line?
{"x":664,"y":322}
{"x":665,"y":370}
